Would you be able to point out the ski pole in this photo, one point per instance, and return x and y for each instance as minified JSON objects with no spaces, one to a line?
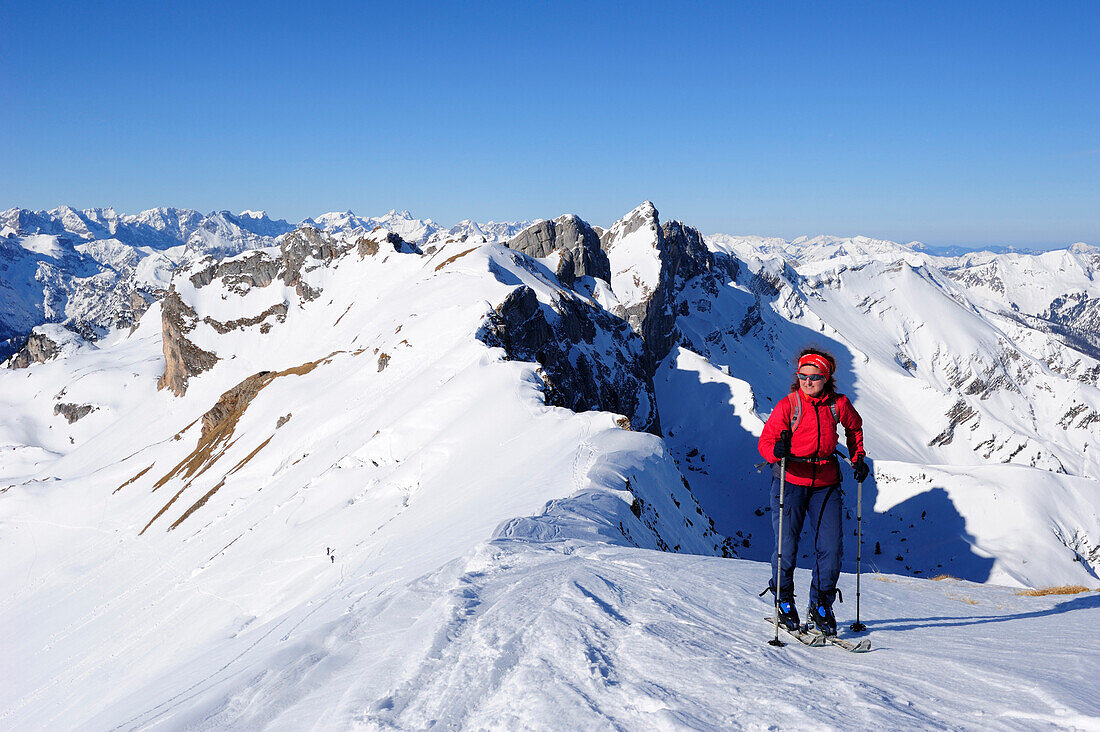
{"x":858,"y":627}
{"x":779,"y":551}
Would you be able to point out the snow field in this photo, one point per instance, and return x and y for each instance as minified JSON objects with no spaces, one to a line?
{"x":329,"y":566}
{"x":571,"y":634}
{"x":380,"y":475}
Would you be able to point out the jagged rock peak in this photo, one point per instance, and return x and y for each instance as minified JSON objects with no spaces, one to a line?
{"x":643,"y":215}
{"x":687,"y":254}
{"x":575,"y":241}
{"x":650,"y":263}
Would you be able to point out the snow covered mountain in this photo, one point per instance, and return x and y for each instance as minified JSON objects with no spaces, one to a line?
{"x":93,"y":270}
{"x":966,"y":408}
{"x":501,"y":476}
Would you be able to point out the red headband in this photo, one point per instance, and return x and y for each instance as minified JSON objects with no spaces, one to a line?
{"x":812,"y":359}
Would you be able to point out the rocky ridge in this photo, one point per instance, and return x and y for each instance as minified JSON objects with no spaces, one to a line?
{"x":94,"y":270}
{"x":610,"y":315}
{"x":575,"y":243}
{"x":386,"y":443}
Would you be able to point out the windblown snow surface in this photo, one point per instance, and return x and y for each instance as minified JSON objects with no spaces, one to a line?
{"x":397,"y":532}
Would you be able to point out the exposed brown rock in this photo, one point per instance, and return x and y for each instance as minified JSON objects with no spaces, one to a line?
{"x":231,"y":404}
{"x":447,"y":261}
{"x":218,"y":426}
{"x":182,"y":358}
{"x":37,"y":349}
{"x":366,"y":247}
{"x":134,"y":479}
{"x":139,"y":303}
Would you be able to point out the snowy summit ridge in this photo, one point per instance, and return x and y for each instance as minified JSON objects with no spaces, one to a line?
{"x":373,"y":473}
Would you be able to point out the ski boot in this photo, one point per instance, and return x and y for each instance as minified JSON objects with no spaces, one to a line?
{"x":788,"y":614}
{"x":821,"y":617}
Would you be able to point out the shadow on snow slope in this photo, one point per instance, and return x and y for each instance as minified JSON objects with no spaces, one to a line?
{"x":713,"y":427}
{"x":1090,"y":601}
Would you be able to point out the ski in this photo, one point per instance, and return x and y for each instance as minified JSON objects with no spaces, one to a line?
{"x":808,"y":639}
{"x":815,"y":639}
{"x":861,"y":646}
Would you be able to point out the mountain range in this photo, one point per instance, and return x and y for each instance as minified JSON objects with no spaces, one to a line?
{"x":374,"y":473}
{"x":94,"y":269}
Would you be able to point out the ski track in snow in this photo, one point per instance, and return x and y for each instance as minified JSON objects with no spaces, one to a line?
{"x":575,"y":635}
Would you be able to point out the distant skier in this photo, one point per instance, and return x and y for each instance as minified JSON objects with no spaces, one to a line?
{"x":803,"y":429}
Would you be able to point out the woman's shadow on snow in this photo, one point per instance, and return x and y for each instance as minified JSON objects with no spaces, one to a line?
{"x":922,"y":536}
{"x":1091,"y":601}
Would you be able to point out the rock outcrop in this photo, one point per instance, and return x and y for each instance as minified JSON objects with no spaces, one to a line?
{"x":232,"y":404}
{"x":577,"y":244}
{"x":277,"y":311}
{"x":588,"y":358}
{"x":647,"y":264}
{"x":39,"y":348}
{"x":302,"y":246}
{"x":73,"y":412}
{"x":182,"y":358}
{"x":256,"y":269}
{"x":140,"y":300}
{"x":381,"y":240}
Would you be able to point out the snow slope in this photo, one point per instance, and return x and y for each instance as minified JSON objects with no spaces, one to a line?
{"x":81,"y":268}
{"x":574,"y":634}
{"x":950,"y":392}
{"x":382,"y":447}
{"x":360,"y":515}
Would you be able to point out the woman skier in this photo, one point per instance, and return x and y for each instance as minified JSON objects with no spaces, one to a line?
{"x":802,"y":429}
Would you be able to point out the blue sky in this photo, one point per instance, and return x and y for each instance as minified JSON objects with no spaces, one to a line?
{"x":948,"y":123}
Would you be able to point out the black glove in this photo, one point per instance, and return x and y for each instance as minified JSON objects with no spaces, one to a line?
{"x":860,"y":470}
{"x":782,"y":448}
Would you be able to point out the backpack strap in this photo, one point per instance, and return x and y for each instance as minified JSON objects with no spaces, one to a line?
{"x":796,"y":410}
{"x":832,"y":408}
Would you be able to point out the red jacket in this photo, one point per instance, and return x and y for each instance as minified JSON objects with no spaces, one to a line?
{"x":815,"y":437}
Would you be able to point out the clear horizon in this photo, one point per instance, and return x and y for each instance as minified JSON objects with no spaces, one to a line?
{"x":607,"y":224}
{"x":971,"y":125}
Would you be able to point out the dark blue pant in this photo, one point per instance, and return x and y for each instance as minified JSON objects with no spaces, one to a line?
{"x":822,"y":508}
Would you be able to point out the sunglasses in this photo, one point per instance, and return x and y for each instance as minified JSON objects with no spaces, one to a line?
{"x":812,"y":378}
